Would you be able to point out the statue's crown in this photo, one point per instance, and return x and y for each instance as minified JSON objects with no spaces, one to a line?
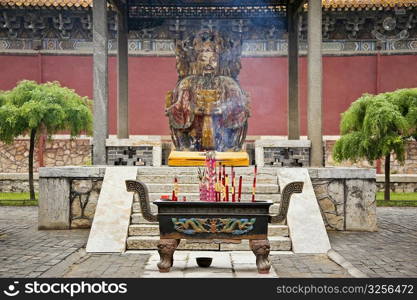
{"x":208,"y":41}
{"x":227,"y":47}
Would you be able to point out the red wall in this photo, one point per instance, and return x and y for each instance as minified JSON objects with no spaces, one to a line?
{"x":345,"y":79}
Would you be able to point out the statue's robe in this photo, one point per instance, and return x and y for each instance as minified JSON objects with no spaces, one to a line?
{"x":229,"y":120}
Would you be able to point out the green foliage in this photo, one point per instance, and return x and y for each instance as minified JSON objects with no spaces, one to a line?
{"x":398,"y":196}
{"x":377,"y":125}
{"x":15,"y":196}
{"x":397,"y":199}
{"x":49,"y":107}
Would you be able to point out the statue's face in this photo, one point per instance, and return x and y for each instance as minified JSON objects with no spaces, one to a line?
{"x":208,"y":62}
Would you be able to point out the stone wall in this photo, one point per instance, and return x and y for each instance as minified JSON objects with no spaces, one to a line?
{"x":409,"y":167}
{"x":346,"y":197}
{"x":17,"y":182}
{"x":57,"y":152}
{"x":83,"y":201}
{"x":410,"y":164}
{"x":399,"y":183}
{"x":64,"y":152}
{"x":14,"y":157}
{"x":68,"y":196}
{"x":347,"y":204}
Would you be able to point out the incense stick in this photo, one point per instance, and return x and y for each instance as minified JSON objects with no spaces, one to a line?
{"x":254,"y":183}
{"x":240,"y":189}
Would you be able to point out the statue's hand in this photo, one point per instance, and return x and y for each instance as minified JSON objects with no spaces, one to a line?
{"x":217,"y":111}
{"x":199,"y":111}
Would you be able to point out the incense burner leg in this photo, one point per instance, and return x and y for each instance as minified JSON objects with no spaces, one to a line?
{"x":166,"y":249}
{"x":261,"y":249}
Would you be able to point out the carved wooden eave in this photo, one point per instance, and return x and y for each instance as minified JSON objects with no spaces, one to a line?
{"x":66,"y":25}
{"x":327,"y":4}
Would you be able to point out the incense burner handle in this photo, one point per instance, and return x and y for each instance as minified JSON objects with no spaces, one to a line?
{"x":143,"y":194}
{"x":287,"y":192}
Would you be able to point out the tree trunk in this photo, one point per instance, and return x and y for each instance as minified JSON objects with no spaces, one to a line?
{"x":387,"y":178}
{"x":31,"y":152}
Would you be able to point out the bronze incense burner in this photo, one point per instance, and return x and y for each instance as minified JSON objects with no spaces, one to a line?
{"x":213,"y":220}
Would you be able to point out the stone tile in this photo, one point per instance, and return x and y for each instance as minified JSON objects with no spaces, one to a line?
{"x":389,"y":252}
{"x":306,"y":265}
{"x":203,"y":274}
{"x":255,"y":274}
{"x":243,"y":258}
{"x":245,"y":267}
{"x":27,"y":251}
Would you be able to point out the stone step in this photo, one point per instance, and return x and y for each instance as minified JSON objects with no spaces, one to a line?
{"x":278,"y":230}
{"x":193,"y":179}
{"x":179,"y":171}
{"x":143,"y":229}
{"x":273,"y":209}
{"x":278,"y":243}
{"x":193,"y":188}
{"x":153,"y":230}
{"x":246,"y":197}
{"x":150,"y":243}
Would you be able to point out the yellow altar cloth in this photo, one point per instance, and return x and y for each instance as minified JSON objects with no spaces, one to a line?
{"x":193,"y":158}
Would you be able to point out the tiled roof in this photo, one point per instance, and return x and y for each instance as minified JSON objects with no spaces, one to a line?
{"x":328,"y":4}
{"x":47,"y":3}
{"x":367,"y":3}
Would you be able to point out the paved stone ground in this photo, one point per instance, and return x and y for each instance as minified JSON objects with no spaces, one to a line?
{"x":241,"y":264}
{"x":390,"y":252}
{"x":224,"y":265}
{"x":27,"y":252}
{"x":108,"y":266}
{"x":307,"y":265}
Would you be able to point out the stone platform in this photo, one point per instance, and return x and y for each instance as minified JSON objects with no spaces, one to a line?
{"x":346,"y":197}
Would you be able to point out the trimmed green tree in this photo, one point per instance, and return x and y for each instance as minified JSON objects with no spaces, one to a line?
{"x":37,"y":109}
{"x":377,"y":126}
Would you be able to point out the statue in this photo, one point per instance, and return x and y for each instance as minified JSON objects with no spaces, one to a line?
{"x":208,"y":110}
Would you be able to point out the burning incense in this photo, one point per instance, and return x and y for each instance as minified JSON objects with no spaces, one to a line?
{"x":175,"y":190}
{"x":227,"y":187}
{"x":211,"y":175}
{"x":219,"y":184}
{"x":240,"y":189}
{"x":233,"y":186}
{"x":202,"y":185}
{"x":254,"y":183}
{"x":223,"y":188}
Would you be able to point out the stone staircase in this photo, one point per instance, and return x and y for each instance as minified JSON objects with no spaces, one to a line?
{"x":144,"y":235}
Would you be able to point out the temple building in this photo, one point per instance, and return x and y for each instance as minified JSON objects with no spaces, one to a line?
{"x":368,"y":46}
